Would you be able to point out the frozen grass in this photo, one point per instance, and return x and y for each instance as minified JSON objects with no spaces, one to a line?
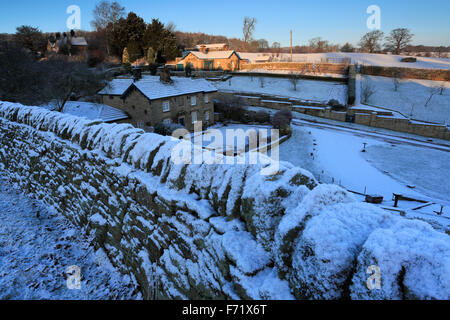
{"x":320,"y":91}
{"x":370,"y":59}
{"x":411,"y":97}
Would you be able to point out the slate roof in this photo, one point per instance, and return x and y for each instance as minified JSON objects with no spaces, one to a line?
{"x":214,"y":54}
{"x":154,"y":89}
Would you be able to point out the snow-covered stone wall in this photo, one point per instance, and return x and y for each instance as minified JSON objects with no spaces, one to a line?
{"x":215,"y":231}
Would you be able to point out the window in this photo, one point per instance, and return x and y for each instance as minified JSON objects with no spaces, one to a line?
{"x":166,"y":106}
{"x":206,"y":98}
{"x":180,"y":101}
{"x":111,"y":97}
{"x":207,"y":116}
{"x":193,"y":101}
{"x":194,"y":117}
{"x":167,"y":121}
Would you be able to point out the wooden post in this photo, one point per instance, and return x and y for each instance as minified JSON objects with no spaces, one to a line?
{"x":291,"y":46}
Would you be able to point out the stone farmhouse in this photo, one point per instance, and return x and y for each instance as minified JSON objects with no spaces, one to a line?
{"x":211,"y":60}
{"x":152,"y":100}
{"x":74,"y":44}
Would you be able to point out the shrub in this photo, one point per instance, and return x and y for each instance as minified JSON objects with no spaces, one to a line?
{"x":409,"y":59}
{"x":167,"y":129}
{"x":231,"y":107}
{"x":153,"y":67}
{"x":262,"y":117}
{"x":282,"y":121}
{"x":188,"y":70}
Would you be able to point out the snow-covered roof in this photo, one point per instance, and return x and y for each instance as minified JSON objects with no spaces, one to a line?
{"x":154,"y":89}
{"x":78,"y":41}
{"x":214,"y":54}
{"x":92,"y":111}
{"x":211,"y":46}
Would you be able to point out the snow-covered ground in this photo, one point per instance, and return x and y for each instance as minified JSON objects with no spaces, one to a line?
{"x":37,"y":247}
{"x":335,"y":157}
{"x":361,"y":58}
{"x":411,"y":97}
{"x":321,"y":91}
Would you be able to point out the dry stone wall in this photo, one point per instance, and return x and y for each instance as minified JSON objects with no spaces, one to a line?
{"x":209,"y":231}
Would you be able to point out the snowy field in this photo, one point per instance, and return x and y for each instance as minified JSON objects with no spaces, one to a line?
{"x":321,"y":91}
{"x":386,"y":168}
{"x":411,"y":97}
{"x":37,"y":246}
{"x":370,"y":59}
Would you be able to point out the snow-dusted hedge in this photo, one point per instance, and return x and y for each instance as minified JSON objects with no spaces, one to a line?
{"x":215,"y":231}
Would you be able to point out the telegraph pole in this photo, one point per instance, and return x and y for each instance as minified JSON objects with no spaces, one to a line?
{"x":291,"y":45}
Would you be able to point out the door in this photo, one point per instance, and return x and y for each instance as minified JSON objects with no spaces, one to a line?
{"x":181,"y":121}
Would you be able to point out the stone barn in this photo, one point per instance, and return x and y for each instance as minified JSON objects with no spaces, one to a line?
{"x":212,"y":60}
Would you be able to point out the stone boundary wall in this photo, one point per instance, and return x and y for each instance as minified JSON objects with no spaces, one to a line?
{"x":214,"y":231}
{"x":300,"y":66}
{"x":408,"y":73}
{"x":373,"y":119}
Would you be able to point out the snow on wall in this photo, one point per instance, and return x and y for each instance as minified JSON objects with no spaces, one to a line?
{"x":214,"y":231}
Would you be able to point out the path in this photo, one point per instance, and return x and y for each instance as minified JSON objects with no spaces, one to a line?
{"x":37,"y":246}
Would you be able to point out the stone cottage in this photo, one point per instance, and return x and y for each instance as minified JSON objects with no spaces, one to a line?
{"x":74,"y":44}
{"x":151,"y":100}
{"x":211,"y":60}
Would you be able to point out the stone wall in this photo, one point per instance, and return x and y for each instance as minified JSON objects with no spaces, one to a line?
{"x":374,"y":119}
{"x":332,"y":68}
{"x":213,"y":231}
{"x":408,"y":73}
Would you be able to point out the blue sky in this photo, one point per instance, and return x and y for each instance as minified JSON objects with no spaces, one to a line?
{"x":337,"y":21}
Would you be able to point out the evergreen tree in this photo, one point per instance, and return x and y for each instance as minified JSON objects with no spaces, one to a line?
{"x":125,"y":56}
{"x":151,"y":55}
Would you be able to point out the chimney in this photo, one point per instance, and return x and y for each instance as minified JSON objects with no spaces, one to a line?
{"x":164,"y":75}
{"x":137,"y":74}
{"x":203,"y":49}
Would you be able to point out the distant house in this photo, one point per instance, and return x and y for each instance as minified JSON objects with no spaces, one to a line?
{"x":74,"y":44}
{"x":212,"y":47}
{"x":211,"y":60}
{"x":152,"y":100}
{"x":263,"y":59}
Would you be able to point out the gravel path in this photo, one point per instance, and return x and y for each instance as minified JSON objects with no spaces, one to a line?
{"x":37,"y":247}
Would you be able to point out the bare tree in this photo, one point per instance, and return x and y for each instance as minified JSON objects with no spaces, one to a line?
{"x":261,"y":81}
{"x":293,"y":78}
{"x":370,"y":42}
{"x":442,"y":88}
{"x":397,"y":77}
{"x":248,"y":29}
{"x":433,"y":90}
{"x":398,"y":40}
{"x":107,"y":13}
{"x":318,"y":45}
{"x":171,"y":26}
{"x":367,"y":90}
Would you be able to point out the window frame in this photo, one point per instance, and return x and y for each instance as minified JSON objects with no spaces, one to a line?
{"x":166,"y":103}
{"x":193,"y":101}
{"x":196,"y":117}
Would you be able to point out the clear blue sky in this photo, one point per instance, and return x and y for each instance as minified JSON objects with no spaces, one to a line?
{"x":337,"y":21}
